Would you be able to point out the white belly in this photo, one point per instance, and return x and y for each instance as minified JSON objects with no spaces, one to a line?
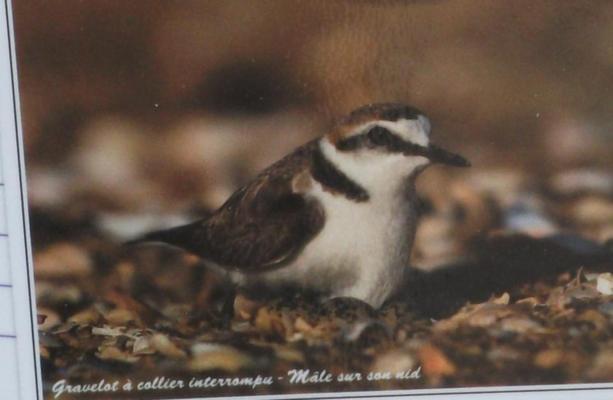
{"x":362,"y":251}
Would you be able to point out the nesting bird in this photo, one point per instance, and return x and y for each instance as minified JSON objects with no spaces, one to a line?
{"x":336,"y":216}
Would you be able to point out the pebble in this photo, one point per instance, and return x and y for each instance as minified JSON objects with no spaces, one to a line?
{"x":142,"y":345}
{"x":165,"y":346}
{"x":111,"y":153}
{"x":111,"y":353}
{"x":120,"y":317}
{"x":595,"y":318}
{"x":504,"y":354}
{"x":487,"y":316}
{"x":582,"y":292}
{"x":244,"y":307}
{"x":394,"y":361}
{"x":288,"y":354}
{"x":548,"y":359}
{"x":48,"y":187}
{"x":526,"y":215}
{"x":50,"y":294}
{"x":604,"y":283}
{"x":593,"y":210}
{"x":274,"y":323}
{"x":207,"y":357}
{"x":520,"y":325}
{"x":109,"y":331}
{"x":88,"y":316}
{"x":529,"y":301}
{"x":51,"y":319}
{"x":578,"y":181}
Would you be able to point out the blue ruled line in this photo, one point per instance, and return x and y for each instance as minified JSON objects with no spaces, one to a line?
{"x":3,"y":336}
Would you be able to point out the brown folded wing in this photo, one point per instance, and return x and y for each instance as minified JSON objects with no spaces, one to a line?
{"x":263,"y":225}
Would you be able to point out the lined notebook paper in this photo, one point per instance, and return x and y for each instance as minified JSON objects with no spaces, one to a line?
{"x":18,"y":365}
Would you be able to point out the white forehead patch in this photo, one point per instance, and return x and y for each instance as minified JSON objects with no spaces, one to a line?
{"x":412,"y":130}
{"x":425,"y":123}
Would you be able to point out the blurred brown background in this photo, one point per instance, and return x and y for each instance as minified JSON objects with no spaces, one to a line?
{"x":187,"y":94}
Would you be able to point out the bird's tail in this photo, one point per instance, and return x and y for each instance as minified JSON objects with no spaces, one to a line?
{"x":184,"y":236}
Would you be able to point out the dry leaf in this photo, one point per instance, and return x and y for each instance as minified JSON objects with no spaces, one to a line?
{"x":434,"y":362}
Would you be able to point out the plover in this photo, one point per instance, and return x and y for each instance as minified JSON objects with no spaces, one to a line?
{"x":337,"y":216}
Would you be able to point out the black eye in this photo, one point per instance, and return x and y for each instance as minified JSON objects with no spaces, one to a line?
{"x":378,"y":136}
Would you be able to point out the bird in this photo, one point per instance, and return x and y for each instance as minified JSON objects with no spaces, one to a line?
{"x":337,"y":216}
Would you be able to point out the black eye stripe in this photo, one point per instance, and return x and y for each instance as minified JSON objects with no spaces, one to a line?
{"x":375,"y":136}
{"x":352,"y":143}
{"x":380,"y":137}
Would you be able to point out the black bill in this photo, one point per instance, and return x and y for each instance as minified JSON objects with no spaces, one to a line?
{"x":435,"y":154}
{"x":442,"y":156}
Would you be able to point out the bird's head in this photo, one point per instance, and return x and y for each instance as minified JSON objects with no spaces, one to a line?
{"x":381,"y":144}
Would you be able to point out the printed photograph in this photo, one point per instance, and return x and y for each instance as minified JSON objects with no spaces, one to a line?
{"x":300,"y":197}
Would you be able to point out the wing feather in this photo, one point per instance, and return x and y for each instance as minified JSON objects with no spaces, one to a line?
{"x":261,"y":226}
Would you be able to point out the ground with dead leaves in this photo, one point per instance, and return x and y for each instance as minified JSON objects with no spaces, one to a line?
{"x":153,"y":318}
